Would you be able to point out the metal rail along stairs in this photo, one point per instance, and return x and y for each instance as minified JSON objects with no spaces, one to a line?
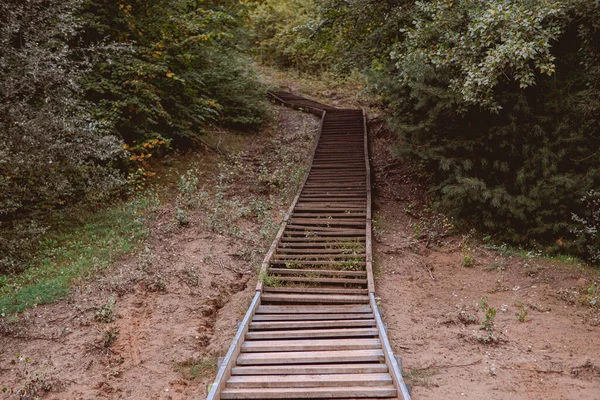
{"x":313,"y":329}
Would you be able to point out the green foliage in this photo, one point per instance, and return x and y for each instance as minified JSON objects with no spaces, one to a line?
{"x":587,"y":225}
{"x":52,"y":152}
{"x":167,"y":68}
{"x":109,"y":337}
{"x":511,"y":149}
{"x":488,"y":323}
{"x":522,"y":313}
{"x":286,"y":34}
{"x":81,"y":77}
{"x":498,"y":100}
{"x":364,"y":31}
{"x":106,"y":312}
{"x":506,"y":41}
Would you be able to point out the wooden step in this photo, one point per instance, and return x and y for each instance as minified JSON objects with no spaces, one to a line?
{"x":322,"y":240}
{"x":319,"y":272}
{"x":313,"y":333}
{"x":306,"y":369}
{"x":350,"y":323}
{"x":314,"y":298}
{"x":320,"y":262}
{"x":344,"y":254}
{"x":316,"y":290}
{"x":311,"y":393}
{"x":309,"y":381}
{"x":308,"y":317}
{"x":309,"y":345}
{"x":327,"y":281}
{"x":310,"y":357}
{"x":317,"y":309}
{"x":356,"y":251}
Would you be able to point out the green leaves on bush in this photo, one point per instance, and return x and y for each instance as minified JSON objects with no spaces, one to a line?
{"x":169,"y":68}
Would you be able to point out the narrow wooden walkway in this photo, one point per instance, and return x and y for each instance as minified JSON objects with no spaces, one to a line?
{"x":313,"y":330}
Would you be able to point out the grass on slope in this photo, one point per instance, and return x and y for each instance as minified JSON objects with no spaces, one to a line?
{"x":79,"y":245}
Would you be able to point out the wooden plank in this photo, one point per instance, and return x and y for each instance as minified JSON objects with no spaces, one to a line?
{"x":309,"y":381}
{"x":323,"y":280}
{"x":369,"y":227}
{"x":305,"y":317}
{"x":234,"y":350}
{"x":312,"y":333}
{"x":321,"y":290}
{"x":326,"y":251}
{"x":323,"y":272}
{"x":330,"y":214}
{"x":311,"y":393}
{"x":339,"y":231}
{"x":306,"y":369}
{"x":320,"y":262}
{"x":310,"y":345}
{"x":328,"y":221}
{"x":350,"y":323}
{"x":321,"y":255}
{"x":318,"y":309}
{"x":310,"y":298}
{"x":322,"y":240}
{"x":310,"y":357}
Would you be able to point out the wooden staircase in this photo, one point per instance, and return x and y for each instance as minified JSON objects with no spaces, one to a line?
{"x":313,"y":330}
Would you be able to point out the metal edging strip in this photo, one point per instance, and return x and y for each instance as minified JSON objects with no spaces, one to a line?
{"x":390,"y":360}
{"x":225,"y":370}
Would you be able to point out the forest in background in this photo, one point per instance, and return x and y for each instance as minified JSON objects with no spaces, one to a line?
{"x":497,"y":103}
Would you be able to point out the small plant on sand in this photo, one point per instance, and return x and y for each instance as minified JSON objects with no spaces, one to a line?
{"x":34,"y":382}
{"x":109,"y":337}
{"x":591,"y":295}
{"x":417,"y":231}
{"x":191,"y":276}
{"x":106,"y":312}
{"x":467,"y":260}
{"x":421,"y":377}
{"x":522,"y":313}
{"x":487,"y":325}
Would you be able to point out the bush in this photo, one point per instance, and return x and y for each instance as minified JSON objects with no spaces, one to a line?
{"x":508,"y":119}
{"x":286,"y":34}
{"x":168,"y":68}
{"x":587,"y":225}
{"x":52,"y":152}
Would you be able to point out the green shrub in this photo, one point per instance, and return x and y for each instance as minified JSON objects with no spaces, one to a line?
{"x":286,"y":34}
{"x":168,"y":68}
{"x":52,"y":151}
{"x":511,"y":148}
